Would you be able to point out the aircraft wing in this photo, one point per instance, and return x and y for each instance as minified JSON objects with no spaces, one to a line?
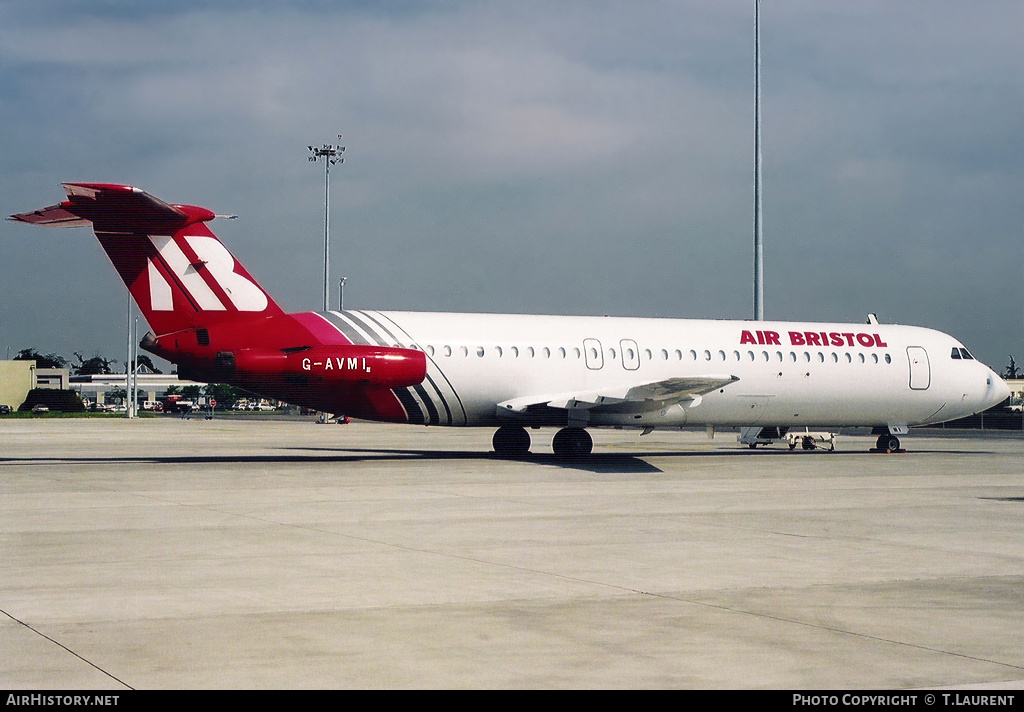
{"x":654,"y":394}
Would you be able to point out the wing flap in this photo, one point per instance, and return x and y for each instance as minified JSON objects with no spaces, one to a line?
{"x":657,"y":394}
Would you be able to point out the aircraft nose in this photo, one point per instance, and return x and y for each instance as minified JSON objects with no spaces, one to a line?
{"x":996,"y":390}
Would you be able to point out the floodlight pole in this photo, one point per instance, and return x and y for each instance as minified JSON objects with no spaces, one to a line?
{"x":135,"y":369}
{"x":128,"y":362}
{"x":331,"y":155}
{"x":758,"y":237}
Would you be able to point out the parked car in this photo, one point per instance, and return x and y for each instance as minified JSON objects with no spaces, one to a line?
{"x":40,"y":408}
{"x":5,"y":409}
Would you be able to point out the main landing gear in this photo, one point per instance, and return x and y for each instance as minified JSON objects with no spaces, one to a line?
{"x":514,"y":441}
{"x":511,"y":441}
{"x":572,"y":442}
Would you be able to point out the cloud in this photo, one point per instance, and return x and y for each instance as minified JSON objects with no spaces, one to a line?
{"x":525,"y":156}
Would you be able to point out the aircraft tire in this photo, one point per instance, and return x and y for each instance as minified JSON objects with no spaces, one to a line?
{"x":888,"y":442}
{"x":511,"y":441}
{"x":572,"y":442}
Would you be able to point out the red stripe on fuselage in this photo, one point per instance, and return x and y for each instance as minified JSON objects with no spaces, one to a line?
{"x":381,"y":403}
{"x":326,"y":333}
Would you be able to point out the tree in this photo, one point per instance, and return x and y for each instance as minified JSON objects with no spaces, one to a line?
{"x":1012,"y":372}
{"x":225,"y":395}
{"x":92,"y":366}
{"x":146,"y":362}
{"x":47,"y":361}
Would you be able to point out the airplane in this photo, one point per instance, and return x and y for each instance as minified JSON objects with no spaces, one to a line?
{"x":514,"y":372}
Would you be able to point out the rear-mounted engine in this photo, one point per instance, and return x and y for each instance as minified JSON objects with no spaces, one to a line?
{"x":382,"y":366}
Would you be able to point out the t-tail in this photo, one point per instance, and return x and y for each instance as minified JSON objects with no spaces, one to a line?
{"x":209,"y":315}
{"x":178,"y":272}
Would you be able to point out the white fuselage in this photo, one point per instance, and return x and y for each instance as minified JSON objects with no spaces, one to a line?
{"x":785,"y":374}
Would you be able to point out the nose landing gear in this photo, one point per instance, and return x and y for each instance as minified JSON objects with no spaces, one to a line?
{"x":887,"y":443}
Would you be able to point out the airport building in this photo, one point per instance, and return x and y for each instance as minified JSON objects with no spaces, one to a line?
{"x":18,"y":378}
{"x":151,"y":386}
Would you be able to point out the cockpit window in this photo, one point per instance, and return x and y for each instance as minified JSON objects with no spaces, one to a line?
{"x":966,"y":354}
{"x":956,"y":353}
{"x":960,"y":352}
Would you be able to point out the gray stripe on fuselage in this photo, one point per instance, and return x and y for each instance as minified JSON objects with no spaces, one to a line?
{"x":453,"y":395}
{"x":385,"y":338}
{"x":359,"y":334}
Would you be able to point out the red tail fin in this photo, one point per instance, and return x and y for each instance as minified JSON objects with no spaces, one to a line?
{"x":178,"y":272}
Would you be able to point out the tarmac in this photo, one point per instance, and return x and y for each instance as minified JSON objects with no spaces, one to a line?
{"x":162,"y":553}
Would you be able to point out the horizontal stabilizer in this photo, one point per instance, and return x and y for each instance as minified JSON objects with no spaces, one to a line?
{"x":53,"y":216}
{"x":114,"y":208}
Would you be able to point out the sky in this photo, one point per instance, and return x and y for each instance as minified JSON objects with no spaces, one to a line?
{"x":566,"y":157}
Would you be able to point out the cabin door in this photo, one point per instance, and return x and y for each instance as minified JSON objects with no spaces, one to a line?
{"x":920,"y":369}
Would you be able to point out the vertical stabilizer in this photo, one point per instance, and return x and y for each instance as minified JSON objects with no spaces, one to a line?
{"x":178,"y":272}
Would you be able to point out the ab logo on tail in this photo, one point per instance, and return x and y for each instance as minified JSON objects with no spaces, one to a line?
{"x":219,"y":265}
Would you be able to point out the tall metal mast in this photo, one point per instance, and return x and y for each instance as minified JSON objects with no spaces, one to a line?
{"x":331,"y":155}
{"x":758,"y":237}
